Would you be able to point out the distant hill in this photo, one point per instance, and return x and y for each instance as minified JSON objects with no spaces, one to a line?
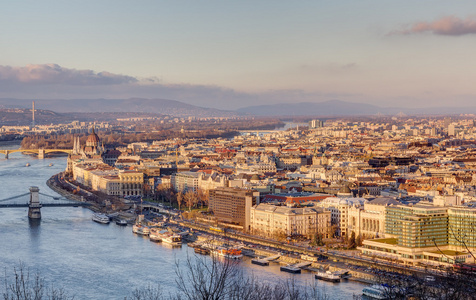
{"x":22,"y":116}
{"x":343,"y":108}
{"x":327,"y":108}
{"x":156,"y":106}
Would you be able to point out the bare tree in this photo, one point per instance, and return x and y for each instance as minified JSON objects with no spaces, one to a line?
{"x":179,"y":198}
{"x":23,"y":286}
{"x":191,"y":198}
{"x":148,"y":293}
{"x":205,"y":279}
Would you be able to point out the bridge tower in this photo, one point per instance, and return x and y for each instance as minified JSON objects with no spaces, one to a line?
{"x":6,"y":154}
{"x":41,"y":153}
{"x":34,"y":205}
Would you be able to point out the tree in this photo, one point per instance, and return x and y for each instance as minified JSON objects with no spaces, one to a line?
{"x":351,"y":243}
{"x":191,"y":199}
{"x":279,"y":235}
{"x":216,"y":279}
{"x":207,"y":280}
{"x":179,"y":198}
{"x":203,"y":197}
{"x":23,"y":286}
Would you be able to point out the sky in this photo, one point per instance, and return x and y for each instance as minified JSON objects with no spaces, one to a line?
{"x":232,"y":54}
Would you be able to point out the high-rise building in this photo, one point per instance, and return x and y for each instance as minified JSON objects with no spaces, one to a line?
{"x":451,"y":130}
{"x":316,"y":124}
{"x":233,"y":205}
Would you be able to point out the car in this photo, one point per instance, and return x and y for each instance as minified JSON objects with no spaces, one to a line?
{"x":429,"y":278}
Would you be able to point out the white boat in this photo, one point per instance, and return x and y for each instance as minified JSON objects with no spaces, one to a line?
{"x":27,"y":165}
{"x":327,"y":276}
{"x":140,"y":229}
{"x":154,"y":235}
{"x":374,"y":292}
{"x":174,"y":240}
{"x":100,"y":218}
{"x":170,"y":238}
{"x":121,"y":222}
{"x":50,"y":165}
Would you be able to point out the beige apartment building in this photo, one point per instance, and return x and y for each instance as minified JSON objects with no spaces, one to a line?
{"x":269,"y":220}
{"x":131,"y":182}
{"x":368,"y":220}
{"x":339,"y":208}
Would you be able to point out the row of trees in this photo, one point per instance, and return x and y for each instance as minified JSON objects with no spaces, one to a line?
{"x":188,"y":198}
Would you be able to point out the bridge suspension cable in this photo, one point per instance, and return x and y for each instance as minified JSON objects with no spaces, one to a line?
{"x":54,"y":197}
{"x":14,"y":197}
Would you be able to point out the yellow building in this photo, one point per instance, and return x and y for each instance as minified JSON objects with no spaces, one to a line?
{"x":132,"y":182}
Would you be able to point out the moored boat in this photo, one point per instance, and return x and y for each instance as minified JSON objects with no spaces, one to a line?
{"x":138,"y":228}
{"x":290,"y":269}
{"x":154,"y":235}
{"x":121,"y":222}
{"x":228,"y":252}
{"x":100,"y":218}
{"x":260,"y":262}
{"x":327,"y":276}
{"x":172,"y":239}
{"x":201,"y":250}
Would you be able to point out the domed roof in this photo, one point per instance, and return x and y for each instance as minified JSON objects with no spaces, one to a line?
{"x":345,"y":189}
{"x":92,"y":138}
{"x":255,"y":177}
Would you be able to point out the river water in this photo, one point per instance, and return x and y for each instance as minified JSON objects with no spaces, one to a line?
{"x":94,"y":261}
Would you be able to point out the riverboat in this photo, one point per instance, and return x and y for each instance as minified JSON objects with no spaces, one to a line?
{"x":172,"y":239}
{"x":290,"y":269}
{"x":228,"y":252}
{"x":154,"y":235}
{"x":100,"y":218}
{"x":327,"y":276}
{"x":201,"y":250}
{"x":27,"y":165}
{"x":374,"y":292}
{"x":121,"y":222}
{"x":138,"y":228}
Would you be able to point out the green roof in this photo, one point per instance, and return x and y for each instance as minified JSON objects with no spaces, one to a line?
{"x":448,"y":252}
{"x":391,"y":241}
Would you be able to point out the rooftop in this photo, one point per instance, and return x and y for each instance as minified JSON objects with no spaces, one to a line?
{"x":390,"y":241}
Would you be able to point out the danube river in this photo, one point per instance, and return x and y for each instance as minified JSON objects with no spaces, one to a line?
{"x":95,"y":261}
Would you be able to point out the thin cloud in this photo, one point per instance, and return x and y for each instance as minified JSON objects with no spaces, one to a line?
{"x":55,"y":82}
{"x":449,"y":25}
{"x":55,"y":74}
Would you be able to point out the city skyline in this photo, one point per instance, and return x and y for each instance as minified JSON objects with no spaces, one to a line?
{"x":232,"y":55}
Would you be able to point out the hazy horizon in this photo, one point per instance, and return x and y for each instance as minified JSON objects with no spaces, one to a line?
{"x":237,"y":54}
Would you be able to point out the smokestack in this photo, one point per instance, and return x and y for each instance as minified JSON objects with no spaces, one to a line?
{"x":33,"y":114}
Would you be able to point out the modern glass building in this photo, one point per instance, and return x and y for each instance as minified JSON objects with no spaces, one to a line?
{"x":426,"y":234}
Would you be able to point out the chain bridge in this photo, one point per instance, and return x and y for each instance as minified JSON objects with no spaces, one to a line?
{"x":32,"y":201}
{"x":40,"y":152}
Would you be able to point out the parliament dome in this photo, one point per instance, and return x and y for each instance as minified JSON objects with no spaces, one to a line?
{"x":93,"y":139}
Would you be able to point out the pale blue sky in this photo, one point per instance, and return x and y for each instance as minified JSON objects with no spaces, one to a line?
{"x":229,"y":54}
